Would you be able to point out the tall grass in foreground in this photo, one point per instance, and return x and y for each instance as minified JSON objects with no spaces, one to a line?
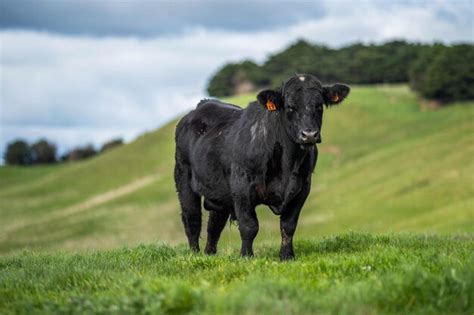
{"x":347,"y":274}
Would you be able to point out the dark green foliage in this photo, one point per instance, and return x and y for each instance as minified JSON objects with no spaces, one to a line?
{"x":417,"y":73}
{"x":357,"y":63}
{"x":80,"y":153}
{"x":435,"y":71}
{"x":18,"y":152}
{"x":445,"y":73}
{"x":111,"y":144}
{"x":221,"y":83}
{"x":43,"y":152}
{"x":367,"y":64}
{"x":300,"y":57}
{"x":227,"y":80}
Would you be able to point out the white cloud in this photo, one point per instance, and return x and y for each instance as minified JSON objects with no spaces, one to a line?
{"x":76,"y":90}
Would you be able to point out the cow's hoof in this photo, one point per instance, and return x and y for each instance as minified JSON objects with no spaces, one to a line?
{"x":194,"y":249}
{"x":246,"y":255}
{"x":210,"y":251}
{"x":287,"y":256}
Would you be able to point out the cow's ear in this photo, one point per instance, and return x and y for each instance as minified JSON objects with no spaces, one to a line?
{"x":270,"y":99}
{"x":334,"y":94}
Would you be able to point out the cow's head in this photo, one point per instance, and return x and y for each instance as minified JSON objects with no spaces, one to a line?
{"x":300,"y":103}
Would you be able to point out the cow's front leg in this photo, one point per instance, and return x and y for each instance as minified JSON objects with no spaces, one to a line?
{"x":248,"y":227}
{"x":289,"y":221}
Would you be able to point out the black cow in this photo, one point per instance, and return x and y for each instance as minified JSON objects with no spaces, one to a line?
{"x":239,"y":158}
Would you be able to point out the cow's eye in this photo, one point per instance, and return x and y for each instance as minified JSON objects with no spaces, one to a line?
{"x":290,"y":109}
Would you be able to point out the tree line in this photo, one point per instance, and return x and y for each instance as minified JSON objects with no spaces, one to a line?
{"x":20,"y":152}
{"x":435,"y":71}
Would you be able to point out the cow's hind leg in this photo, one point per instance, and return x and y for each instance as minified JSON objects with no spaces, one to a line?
{"x":215,"y":225}
{"x":190,"y":205}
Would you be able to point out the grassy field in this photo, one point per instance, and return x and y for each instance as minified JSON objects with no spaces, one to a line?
{"x":348,"y":274}
{"x":401,"y":178}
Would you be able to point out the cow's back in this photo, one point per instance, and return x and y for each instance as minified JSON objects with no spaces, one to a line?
{"x":214,"y":113}
{"x":209,"y":119}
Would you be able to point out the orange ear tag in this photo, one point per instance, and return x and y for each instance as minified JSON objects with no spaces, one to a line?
{"x":271,"y":106}
{"x":335,"y":98}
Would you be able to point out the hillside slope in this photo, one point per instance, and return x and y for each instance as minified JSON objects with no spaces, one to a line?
{"x":384,"y":166}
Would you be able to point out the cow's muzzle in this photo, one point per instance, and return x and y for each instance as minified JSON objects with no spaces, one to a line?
{"x":310,"y":137}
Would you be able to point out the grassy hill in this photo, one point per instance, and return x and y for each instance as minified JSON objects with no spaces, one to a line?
{"x":400,"y":177}
{"x":384,"y":166}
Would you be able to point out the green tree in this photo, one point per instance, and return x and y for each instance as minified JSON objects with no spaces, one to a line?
{"x":80,"y":153}
{"x":18,"y":152}
{"x":300,"y":57}
{"x":357,"y":64}
{"x":418,"y":74}
{"x":450,"y":77}
{"x":43,"y":152}
{"x":227,"y":80}
{"x":111,"y":144}
{"x":397,"y":58}
{"x":435,"y":71}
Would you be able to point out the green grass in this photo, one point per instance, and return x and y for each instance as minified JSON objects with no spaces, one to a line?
{"x":347,"y":274}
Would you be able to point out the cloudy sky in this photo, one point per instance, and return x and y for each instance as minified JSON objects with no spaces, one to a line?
{"x":86,"y":71}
